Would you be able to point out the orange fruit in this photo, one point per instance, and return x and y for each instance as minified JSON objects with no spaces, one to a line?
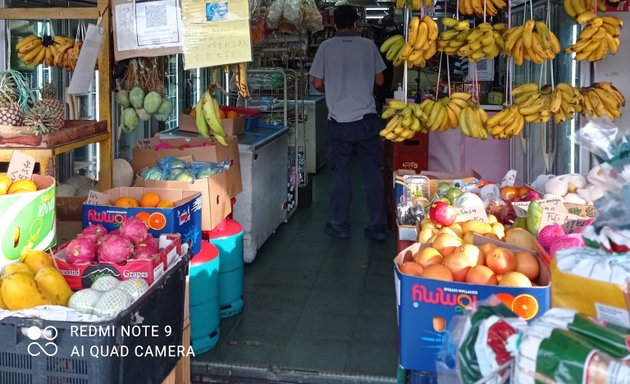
{"x":144,"y":216}
{"x":125,"y":202}
{"x":150,"y":200}
{"x":5,"y":183}
{"x":157,"y":221}
{"x":221,"y":114}
{"x":439,"y":324}
{"x":231,"y":115}
{"x":526,"y":306}
{"x":165,"y":204}
{"x":515,"y":279}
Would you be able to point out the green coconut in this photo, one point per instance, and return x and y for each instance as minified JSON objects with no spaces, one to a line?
{"x":130,"y":119}
{"x":136,"y":97}
{"x":152,"y":102}
{"x":122,"y":98}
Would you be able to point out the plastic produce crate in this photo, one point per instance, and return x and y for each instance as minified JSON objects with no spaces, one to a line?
{"x":63,"y":355}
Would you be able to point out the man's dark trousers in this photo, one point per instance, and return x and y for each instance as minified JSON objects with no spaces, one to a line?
{"x":361,"y":138}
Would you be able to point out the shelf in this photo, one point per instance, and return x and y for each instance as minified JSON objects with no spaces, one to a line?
{"x":71,"y":13}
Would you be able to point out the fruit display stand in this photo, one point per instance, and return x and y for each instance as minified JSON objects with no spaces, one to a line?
{"x":46,"y":156}
{"x":79,"y":134}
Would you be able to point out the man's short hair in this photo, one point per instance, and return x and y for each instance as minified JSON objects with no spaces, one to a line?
{"x":345,"y":16}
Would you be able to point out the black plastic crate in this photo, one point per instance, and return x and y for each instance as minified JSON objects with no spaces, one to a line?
{"x":50,"y":359}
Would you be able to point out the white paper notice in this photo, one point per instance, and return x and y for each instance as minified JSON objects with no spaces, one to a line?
{"x":148,"y":24}
{"x":84,"y":71}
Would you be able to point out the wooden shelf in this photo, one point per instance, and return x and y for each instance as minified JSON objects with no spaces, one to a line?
{"x":46,"y":156}
{"x":72,"y":13}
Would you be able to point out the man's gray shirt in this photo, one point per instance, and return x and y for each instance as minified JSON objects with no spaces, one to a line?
{"x":347,"y":63}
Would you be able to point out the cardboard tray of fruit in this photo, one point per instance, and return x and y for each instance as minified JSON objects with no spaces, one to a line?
{"x":72,"y":130}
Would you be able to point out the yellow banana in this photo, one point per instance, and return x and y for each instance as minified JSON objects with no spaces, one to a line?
{"x":23,"y":42}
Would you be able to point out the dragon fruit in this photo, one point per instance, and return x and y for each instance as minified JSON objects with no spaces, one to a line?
{"x":573,"y":240}
{"x":114,"y":249}
{"x":149,"y":240}
{"x":549,"y":234}
{"x":95,"y":228}
{"x":146,"y":251}
{"x":81,"y":250}
{"x":134,"y":229}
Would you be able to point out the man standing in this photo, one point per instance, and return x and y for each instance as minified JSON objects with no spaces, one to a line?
{"x":346,"y":68}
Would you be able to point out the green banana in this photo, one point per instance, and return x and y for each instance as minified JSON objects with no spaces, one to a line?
{"x":210,"y":106}
{"x":200,"y":121}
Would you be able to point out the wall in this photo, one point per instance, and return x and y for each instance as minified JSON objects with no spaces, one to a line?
{"x":613,"y":69}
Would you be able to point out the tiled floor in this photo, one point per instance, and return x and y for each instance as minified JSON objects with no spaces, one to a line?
{"x":314,"y":303}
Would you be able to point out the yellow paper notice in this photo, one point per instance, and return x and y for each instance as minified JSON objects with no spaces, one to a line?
{"x":216,"y":32}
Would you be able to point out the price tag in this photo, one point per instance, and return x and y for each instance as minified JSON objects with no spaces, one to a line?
{"x":574,"y":223}
{"x":21,"y":166}
{"x":554,"y":211}
{"x":97,"y":198}
{"x":475,"y":213}
{"x":520,"y":208}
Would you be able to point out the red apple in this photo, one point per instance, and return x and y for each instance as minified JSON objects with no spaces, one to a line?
{"x":442,"y":213}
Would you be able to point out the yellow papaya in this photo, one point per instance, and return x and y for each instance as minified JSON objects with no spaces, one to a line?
{"x":2,"y":304}
{"x":53,"y":286}
{"x":19,"y":291}
{"x":37,"y":260}
{"x":18,"y":267}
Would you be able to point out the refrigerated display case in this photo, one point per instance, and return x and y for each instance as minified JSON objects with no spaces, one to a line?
{"x":261,"y":207}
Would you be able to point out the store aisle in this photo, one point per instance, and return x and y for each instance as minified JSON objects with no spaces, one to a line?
{"x":314,"y":305}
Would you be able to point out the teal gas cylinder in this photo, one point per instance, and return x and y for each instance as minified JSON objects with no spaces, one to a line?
{"x":204,"y":298}
{"x":228,"y":238}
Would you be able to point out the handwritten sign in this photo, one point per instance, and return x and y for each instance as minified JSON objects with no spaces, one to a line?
{"x":553,"y":211}
{"x":215,"y":33}
{"x":474,"y":213}
{"x":21,"y":166}
{"x":97,"y":198}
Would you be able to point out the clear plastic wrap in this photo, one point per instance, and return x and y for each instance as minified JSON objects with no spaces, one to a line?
{"x":411,"y":208}
{"x":610,"y":229}
{"x":274,"y":14}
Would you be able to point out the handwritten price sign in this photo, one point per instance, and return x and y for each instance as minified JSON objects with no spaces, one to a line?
{"x":475,"y":213}
{"x":21,"y":166}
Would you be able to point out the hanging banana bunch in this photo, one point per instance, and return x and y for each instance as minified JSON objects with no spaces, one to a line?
{"x":240,"y":72}
{"x":507,"y":123}
{"x":58,"y":50}
{"x":600,"y":36}
{"x":207,"y":118}
{"x":532,"y":41}
{"x":414,"y":5}
{"x":602,"y":99}
{"x":476,"y":7}
{"x":421,"y":42}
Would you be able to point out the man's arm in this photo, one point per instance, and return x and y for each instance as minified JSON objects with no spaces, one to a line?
{"x":379,"y":79}
{"x":318,"y":84}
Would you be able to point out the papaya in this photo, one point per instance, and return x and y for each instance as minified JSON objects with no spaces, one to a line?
{"x":18,"y":267}
{"x":53,"y":286}
{"x":520,"y":237}
{"x":19,"y":291}
{"x":37,"y":260}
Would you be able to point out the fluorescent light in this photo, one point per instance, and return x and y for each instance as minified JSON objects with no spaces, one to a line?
{"x":376,"y":9}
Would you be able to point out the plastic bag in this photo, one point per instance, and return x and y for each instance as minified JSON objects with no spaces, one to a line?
{"x":610,"y":229}
{"x":311,"y":17}
{"x":274,"y":14}
{"x":480,"y":344}
{"x":567,"y":347}
{"x":153,"y":173}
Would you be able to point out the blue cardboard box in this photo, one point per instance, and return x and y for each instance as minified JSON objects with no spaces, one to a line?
{"x":425,"y":307}
{"x":185,"y":218}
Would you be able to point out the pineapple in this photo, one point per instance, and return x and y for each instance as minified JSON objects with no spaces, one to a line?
{"x":56,"y":107}
{"x":40,"y":120}
{"x":10,"y":111}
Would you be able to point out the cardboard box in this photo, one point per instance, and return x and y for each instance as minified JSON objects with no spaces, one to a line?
{"x":407,"y":232}
{"x":215,"y":202}
{"x":436,"y":177}
{"x":199,"y":149}
{"x":185,"y":218}
{"x":70,"y":208}
{"x":82,"y":275}
{"x":232,"y":127}
{"x":425,"y":307}
{"x":28,"y":219}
